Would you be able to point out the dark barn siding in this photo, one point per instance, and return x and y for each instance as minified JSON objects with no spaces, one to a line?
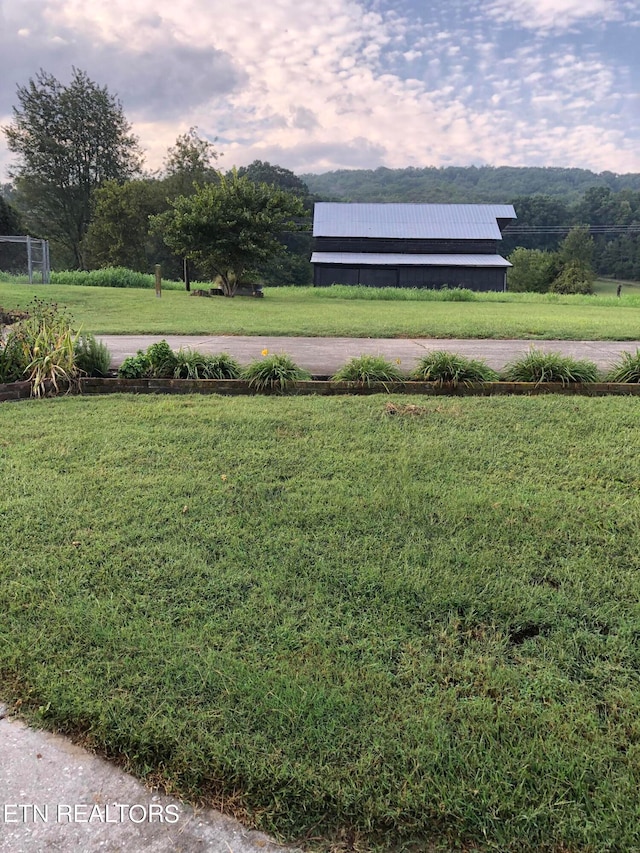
{"x":405,"y":246}
{"x":486,"y":278}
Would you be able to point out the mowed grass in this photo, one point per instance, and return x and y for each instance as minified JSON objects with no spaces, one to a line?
{"x":354,"y":313}
{"x":342,"y":623}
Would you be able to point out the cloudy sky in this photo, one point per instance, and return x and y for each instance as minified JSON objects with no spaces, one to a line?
{"x":316,"y":85}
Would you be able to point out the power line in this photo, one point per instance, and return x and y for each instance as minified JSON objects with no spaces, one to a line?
{"x":563,"y":229}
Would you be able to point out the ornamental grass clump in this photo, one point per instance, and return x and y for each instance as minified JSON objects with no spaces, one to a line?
{"x":40,"y":349}
{"x":275,"y":372}
{"x":538,"y":366}
{"x":195,"y":365}
{"x":449,"y":367}
{"x":626,"y":369}
{"x":367,"y":369}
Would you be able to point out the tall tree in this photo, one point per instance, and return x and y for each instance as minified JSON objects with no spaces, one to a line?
{"x":230,"y":227}
{"x":290,"y":267}
{"x":9,"y":219}
{"x":118,"y":235}
{"x":69,"y":140}
{"x":190,"y":161}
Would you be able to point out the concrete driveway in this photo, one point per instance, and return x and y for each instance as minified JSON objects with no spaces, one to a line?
{"x":56,"y":796}
{"x":323,"y":356}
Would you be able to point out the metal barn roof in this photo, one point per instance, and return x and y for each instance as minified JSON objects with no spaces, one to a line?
{"x":411,"y":221}
{"x":395,"y":260}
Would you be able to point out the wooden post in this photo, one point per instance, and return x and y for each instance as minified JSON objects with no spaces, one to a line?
{"x":158,"y":281}
{"x":187,"y":280}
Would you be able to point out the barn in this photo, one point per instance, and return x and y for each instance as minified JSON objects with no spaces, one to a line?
{"x":410,"y":245}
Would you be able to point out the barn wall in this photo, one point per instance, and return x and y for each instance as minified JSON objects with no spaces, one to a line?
{"x":484,"y":279}
{"x":405,"y":247}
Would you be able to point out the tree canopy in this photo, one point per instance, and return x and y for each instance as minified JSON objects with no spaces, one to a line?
{"x":230,"y":227}
{"x":69,"y":139}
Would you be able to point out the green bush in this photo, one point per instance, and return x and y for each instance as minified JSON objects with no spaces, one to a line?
{"x":532,"y":270}
{"x":273,"y":372}
{"x":368,"y":369}
{"x":92,"y":357}
{"x":574,"y":278}
{"x":626,"y":369}
{"x":12,"y":359}
{"x":538,"y":366}
{"x":195,"y":365}
{"x":135,"y":366}
{"x":441,"y":367}
{"x":162,"y":360}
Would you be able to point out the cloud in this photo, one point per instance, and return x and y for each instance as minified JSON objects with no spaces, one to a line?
{"x":554,"y":14}
{"x":351,"y":83}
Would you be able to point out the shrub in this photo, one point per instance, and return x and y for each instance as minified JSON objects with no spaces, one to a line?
{"x":368,"y":369}
{"x":441,"y":367}
{"x":162,"y":359}
{"x":273,"y":371}
{"x":533,"y":270}
{"x":12,"y":359}
{"x":91,"y":356}
{"x":574,"y":278}
{"x":626,"y":369}
{"x":195,"y":365}
{"x":135,"y":366}
{"x":538,"y":366}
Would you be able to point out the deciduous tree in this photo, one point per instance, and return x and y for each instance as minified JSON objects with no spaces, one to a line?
{"x":230,"y":227}
{"x":68,"y":140}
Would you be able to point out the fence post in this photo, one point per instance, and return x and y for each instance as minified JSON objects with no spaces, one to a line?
{"x":29,"y":259}
{"x":158,"y":281}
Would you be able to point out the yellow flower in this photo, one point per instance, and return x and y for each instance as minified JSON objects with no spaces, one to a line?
{"x":265,"y":352}
{"x":398,"y":361}
{"x":223,"y":477}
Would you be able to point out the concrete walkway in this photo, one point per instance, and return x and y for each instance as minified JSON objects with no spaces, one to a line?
{"x":55,"y":795}
{"x":323,"y":356}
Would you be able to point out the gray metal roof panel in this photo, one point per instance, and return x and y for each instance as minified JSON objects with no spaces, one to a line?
{"x":380,"y":259}
{"x":417,"y":221}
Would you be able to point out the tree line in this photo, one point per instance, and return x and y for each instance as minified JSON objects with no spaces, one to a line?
{"x":79,"y":181}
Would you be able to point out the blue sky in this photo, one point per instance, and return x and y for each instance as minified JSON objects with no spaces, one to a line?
{"x":314,"y":86}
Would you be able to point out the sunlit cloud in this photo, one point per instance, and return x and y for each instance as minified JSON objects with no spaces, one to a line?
{"x":528,"y":82}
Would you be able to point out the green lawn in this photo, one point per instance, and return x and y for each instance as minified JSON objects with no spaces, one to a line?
{"x":309,"y":311}
{"x":413,"y":626}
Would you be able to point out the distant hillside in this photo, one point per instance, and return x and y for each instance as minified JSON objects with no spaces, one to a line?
{"x":462,"y":184}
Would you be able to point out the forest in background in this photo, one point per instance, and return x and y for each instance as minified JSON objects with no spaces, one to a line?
{"x":462,"y":184}
{"x":548,"y":203}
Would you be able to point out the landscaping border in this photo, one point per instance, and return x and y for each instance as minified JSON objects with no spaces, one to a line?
{"x":329,"y":387}
{"x":91,"y":386}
